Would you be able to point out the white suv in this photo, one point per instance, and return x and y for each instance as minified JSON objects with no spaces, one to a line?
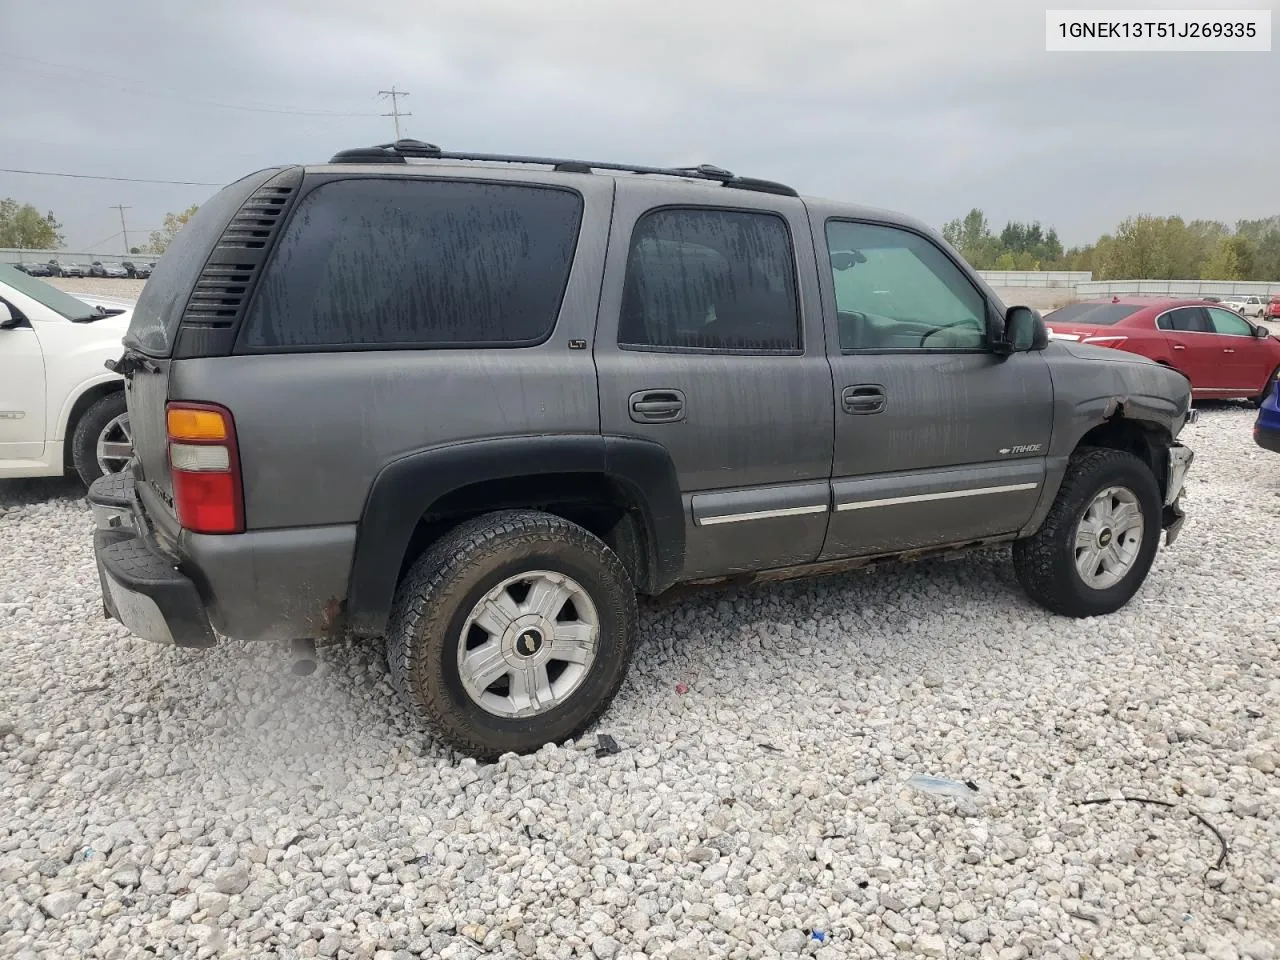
{"x":60,"y":407}
{"x":1246,"y":306}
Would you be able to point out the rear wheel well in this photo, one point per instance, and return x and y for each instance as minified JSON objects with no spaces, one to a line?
{"x":83,"y":403}
{"x":595,"y":502}
{"x":1146,"y":441}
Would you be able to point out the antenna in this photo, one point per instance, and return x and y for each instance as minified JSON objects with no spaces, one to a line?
{"x":393,"y":94}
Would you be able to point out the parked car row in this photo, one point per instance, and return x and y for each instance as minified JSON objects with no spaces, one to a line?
{"x":52,"y":268}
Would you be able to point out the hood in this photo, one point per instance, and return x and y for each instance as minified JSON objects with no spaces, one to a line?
{"x":112,"y":328}
{"x":1087,"y":351}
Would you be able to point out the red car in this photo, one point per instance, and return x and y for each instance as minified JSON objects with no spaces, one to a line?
{"x":1272,"y":310}
{"x":1223,"y":354}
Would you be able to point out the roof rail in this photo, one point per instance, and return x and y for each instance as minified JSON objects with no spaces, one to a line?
{"x":402,"y":150}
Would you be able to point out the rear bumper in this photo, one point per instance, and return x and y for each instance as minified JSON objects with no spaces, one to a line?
{"x":264,"y":585}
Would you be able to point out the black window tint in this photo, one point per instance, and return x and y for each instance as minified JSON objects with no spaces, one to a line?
{"x":395,"y":262}
{"x":1099,"y":314}
{"x":712,"y":280}
{"x":1190,"y":320}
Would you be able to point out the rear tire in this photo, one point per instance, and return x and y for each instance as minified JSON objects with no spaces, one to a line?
{"x":105,"y":412}
{"x":1110,"y":502}
{"x":493,"y":670}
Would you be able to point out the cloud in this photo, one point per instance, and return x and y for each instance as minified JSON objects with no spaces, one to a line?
{"x":926,"y":106}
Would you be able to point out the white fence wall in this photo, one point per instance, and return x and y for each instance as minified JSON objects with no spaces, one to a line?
{"x":13,"y":255}
{"x":1035,"y":278}
{"x":1174,"y":288}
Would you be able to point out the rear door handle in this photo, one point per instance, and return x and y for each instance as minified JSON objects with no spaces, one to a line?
{"x":1179,"y":346}
{"x":656,"y":406}
{"x":863,"y":398}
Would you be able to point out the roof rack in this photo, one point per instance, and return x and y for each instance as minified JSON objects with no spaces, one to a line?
{"x":402,"y":150}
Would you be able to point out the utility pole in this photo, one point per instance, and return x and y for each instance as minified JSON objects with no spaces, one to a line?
{"x":395,"y":113}
{"x":122,"y":208}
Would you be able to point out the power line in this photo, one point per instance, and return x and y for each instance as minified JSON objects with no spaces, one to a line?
{"x":393,"y":93}
{"x":96,"y":78}
{"x":85,"y":176}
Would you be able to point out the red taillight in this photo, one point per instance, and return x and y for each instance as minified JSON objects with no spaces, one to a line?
{"x":205,"y":466}
{"x":1113,"y":342}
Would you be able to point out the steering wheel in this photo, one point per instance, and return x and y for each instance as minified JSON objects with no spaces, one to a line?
{"x":945,"y":326}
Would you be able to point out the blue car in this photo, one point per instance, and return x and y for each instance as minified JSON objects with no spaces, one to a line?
{"x":1266,"y":429}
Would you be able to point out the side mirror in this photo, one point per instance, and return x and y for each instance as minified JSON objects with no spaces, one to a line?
{"x":1261,"y":332}
{"x":846,"y":259}
{"x":1024,"y":330}
{"x":10,"y":316}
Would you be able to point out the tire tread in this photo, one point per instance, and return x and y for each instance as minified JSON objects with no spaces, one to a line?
{"x":451,"y":558}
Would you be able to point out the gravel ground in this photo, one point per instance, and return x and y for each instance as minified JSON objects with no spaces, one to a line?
{"x":155,"y":802}
{"x":98,"y":286}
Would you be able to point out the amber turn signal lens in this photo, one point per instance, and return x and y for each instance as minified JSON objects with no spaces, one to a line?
{"x":188,"y":424}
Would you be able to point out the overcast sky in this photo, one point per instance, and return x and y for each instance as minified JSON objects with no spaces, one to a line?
{"x":925,"y":106}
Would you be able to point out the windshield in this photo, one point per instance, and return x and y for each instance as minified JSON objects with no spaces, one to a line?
{"x":1095,"y":314}
{"x":63,"y":304}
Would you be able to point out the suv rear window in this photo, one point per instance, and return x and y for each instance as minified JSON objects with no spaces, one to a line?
{"x":381,"y":262}
{"x":1098,"y":314}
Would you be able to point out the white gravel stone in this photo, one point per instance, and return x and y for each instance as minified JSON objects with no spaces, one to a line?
{"x":212,"y":804}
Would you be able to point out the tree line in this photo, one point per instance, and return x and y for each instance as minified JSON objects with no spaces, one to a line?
{"x":1141,"y":248}
{"x":23,"y":227}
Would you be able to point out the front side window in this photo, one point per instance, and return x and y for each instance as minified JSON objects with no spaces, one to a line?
{"x":413,"y":262}
{"x":1224,"y":321}
{"x":896,"y":290}
{"x":707,"y":279}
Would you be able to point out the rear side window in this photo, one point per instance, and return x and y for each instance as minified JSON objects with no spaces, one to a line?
{"x":706,"y":279}
{"x":409,"y":262}
{"x":1186,"y":320}
{"x":1099,"y":314}
{"x":158,"y":312}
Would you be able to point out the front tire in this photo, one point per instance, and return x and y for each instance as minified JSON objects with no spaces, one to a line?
{"x":102,"y":441}
{"x":1098,"y":542}
{"x":512,"y":631}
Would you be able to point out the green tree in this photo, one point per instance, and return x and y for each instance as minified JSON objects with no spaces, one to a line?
{"x":173,"y":222}
{"x":1223,"y":264}
{"x":22,"y":226}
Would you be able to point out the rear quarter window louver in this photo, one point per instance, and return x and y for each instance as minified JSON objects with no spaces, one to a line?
{"x":221,"y":293}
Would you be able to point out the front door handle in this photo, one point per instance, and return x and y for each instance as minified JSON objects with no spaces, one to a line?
{"x":864,"y":398}
{"x":656,"y":406}
{"x":1228,"y":350}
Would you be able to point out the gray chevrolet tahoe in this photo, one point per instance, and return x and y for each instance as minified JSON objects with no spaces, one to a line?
{"x":473,"y":404}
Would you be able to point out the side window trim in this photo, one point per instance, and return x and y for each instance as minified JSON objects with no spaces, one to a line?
{"x":823,"y":253}
{"x":794,"y":275}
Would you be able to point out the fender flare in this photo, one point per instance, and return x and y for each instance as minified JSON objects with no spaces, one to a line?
{"x":73,"y":398}
{"x":405,"y":489}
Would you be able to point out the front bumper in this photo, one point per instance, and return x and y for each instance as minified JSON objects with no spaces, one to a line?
{"x":142,"y":586}
{"x":1180,"y":460}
